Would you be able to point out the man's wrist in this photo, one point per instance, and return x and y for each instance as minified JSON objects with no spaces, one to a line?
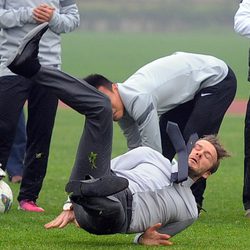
{"x":138,"y":238}
{"x":68,"y":206}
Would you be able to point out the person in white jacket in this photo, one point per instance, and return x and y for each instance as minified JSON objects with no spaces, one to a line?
{"x":192,"y":90}
{"x":242,"y":26}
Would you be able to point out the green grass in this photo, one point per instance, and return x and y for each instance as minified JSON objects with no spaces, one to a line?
{"x":118,"y":55}
{"x":222,"y":227}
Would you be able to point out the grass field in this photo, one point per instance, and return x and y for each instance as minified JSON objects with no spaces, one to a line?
{"x":222,"y":227}
{"x":118,"y":56}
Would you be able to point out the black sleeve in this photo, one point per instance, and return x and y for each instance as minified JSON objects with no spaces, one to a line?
{"x":176,"y":227}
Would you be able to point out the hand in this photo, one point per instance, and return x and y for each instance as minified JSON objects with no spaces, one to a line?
{"x":43,"y":13}
{"x":152,"y":238}
{"x":62,"y":220}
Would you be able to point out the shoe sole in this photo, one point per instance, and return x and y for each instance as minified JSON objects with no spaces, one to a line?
{"x":25,"y":210}
{"x":26,"y":40}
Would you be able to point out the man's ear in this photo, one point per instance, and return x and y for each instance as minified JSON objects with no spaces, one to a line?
{"x":114,"y":87}
{"x":102,"y":89}
{"x":105,"y":90}
{"x":206,"y":174}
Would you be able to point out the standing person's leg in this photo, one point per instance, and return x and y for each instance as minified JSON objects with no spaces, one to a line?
{"x":94,"y":151}
{"x":15,"y":163}
{"x":13,"y":93}
{"x":42,"y":106}
{"x":179,"y":115}
{"x":246,"y":186}
{"x":94,"y":212}
{"x":207,"y":117}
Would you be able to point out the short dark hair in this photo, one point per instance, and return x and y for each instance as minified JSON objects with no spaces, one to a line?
{"x":220,"y":150}
{"x":97,"y":80}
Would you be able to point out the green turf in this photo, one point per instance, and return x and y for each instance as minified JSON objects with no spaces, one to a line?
{"x":222,"y":227}
{"x":118,"y":55}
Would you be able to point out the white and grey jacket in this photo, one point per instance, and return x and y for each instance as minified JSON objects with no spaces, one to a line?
{"x":155,"y":198}
{"x":159,"y":87}
{"x":242,"y":24}
{"x":16,"y":21}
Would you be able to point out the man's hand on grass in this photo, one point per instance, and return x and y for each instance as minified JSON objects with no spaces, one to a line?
{"x":152,"y":238}
{"x":62,"y":220}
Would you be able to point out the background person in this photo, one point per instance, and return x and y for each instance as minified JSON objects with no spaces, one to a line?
{"x":242,"y":26}
{"x":15,"y":162}
{"x":17,"y":18}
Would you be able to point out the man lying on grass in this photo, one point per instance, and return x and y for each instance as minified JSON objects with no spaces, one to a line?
{"x":152,"y":203}
{"x":133,"y":194}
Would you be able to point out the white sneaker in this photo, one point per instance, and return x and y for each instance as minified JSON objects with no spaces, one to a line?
{"x":2,"y":174}
{"x":247,"y":214}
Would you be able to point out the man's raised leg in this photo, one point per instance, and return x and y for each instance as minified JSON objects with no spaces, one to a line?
{"x":94,"y":151}
{"x":97,"y":214}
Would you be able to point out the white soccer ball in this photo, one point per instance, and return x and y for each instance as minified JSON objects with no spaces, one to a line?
{"x":6,"y":197}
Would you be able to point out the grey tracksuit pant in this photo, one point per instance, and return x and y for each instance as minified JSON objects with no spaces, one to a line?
{"x":94,"y":150}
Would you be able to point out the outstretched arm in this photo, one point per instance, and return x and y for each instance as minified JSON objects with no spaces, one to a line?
{"x":160,"y":235}
{"x":176,"y":227}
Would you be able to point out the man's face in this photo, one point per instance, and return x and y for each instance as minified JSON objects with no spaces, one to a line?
{"x":116,"y":102}
{"x":202,"y":157}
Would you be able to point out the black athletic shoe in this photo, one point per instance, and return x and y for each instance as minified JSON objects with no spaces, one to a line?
{"x":100,"y":187}
{"x":25,"y":61}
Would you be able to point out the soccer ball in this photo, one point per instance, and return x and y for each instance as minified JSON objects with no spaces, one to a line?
{"x":6,"y":197}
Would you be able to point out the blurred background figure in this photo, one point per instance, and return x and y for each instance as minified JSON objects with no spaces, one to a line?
{"x":242,"y":26}
{"x":15,"y":162}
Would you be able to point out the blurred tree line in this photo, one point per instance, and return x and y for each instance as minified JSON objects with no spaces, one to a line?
{"x":156,"y":15}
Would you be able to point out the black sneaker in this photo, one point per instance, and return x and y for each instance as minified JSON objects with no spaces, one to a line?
{"x":25,"y":61}
{"x":100,"y":187}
